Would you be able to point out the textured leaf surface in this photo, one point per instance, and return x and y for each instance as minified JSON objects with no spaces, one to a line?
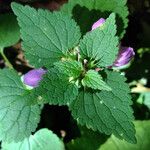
{"x":101,"y":44}
{"x":142,"y":135}
{"x":94,"y":80}
{"x":71,"y":68}
{"x":46,"y":36}
{"x":89,"y":140}
{"x":43,"y":139}
{"x":17,"y":118}
{"x":98,"y":9}
{"x":57,"y":88}
{"x":107,"y":112}
{"x":9,"y":30}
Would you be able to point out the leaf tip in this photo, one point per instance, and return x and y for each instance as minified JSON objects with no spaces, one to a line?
{"x":15,"y":6}
{"x":112,"y":15}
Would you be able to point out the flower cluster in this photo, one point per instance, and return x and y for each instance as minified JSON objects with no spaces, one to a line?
{"x":33,"y":77}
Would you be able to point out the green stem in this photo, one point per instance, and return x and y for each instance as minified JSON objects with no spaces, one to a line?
{"x":5,"y":58}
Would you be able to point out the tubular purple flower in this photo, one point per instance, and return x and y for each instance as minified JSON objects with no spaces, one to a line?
{"x":125,"y":53}
{"x":98,"y":23}
{"x":124,"y":56}
{"x":33,"y":77}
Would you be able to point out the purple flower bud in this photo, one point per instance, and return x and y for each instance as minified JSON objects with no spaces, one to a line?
{"x":33,"y":77}
{"x":124,"y":56}
{"x":98,"y":23}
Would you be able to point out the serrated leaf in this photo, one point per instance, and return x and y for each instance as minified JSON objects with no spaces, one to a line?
{"x":57,"y":88}
{"x":94,"y":80}
{"x":101,"y":44}
{"x":89,"y":140}
{"x":46,"y":36}
{"x":92,"y":10}
{"x":71,"y":68}
{"x":142,"y":135}
{"x":43,"y":139}
{"x":13,"y":89}
{"x":107,"y":112}
{"x":9,"y":30}
{"x":17,"y":118}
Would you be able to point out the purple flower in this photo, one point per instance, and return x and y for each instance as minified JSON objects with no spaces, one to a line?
{"x":125,"y":53}
{"x":124,"y":56}
{"x":33,"y":77}
{"x":98,"y":23}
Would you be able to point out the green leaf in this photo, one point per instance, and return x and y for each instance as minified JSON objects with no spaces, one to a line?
{"x":101,"y":44}
{"x":86,"y":12}
{"x":89,"y":140}
{"x":57,"y":88}
{"x":107,"y":112}
{"x":71,"y":68}
{"x":144,"y":98}
{"x":142,"y":135}
{"x":17,"y":118}
{"x":9,"y":30}
{"x":94,"y":80}
{"x":43,"y":139}
{"x":46,"y":36}
{"x":13,"y":89}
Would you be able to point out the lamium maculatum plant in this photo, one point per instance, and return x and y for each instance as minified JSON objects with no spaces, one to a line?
{"x":72,"y":68}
